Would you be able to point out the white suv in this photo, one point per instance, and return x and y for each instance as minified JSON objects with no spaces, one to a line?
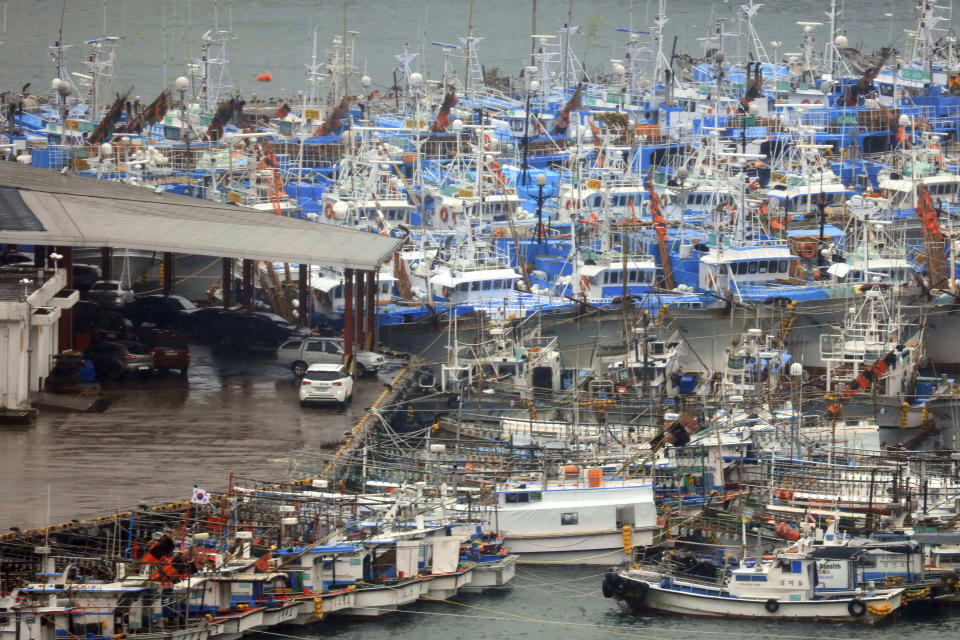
{"x":300,"y":353}
{"x":326,"y":382}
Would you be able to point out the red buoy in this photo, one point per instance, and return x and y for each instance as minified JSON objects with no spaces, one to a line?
{"x":264,"y":77}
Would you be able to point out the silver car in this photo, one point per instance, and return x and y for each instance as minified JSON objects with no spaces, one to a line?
{"x":300,"y":353}
{"x":112,"y":294}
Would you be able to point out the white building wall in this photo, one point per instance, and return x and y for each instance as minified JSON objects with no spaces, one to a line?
{"x":28,"y":337}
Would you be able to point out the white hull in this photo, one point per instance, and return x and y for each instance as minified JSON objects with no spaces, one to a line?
{"x":491,"y":575}
{"x":602,"y":548}
{"x":376,"y":602}
{"x":684,"y":603}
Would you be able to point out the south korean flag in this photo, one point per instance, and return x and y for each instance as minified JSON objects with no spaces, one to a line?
{"x":200,"y":496}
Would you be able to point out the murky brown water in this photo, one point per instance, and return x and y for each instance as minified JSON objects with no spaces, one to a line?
{"x":163,"y":435}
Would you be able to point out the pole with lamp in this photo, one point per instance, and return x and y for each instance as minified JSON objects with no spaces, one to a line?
{"x":531,"y":86}
{"x":796,"y":376}
{"x":181,"y":84}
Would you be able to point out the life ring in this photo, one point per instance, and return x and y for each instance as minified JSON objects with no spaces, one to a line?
{"x":807,"y":250}
{"x":328,"y":210}
{"x":584,"y":284}
{"x":486,"y":142}
{"x":569,"y":205}
{"x":446,"y":292}
{"x":857,"y":608}
{"x":444,"y":214}
{"x":497,"y":232}
{"x":771,"y":605}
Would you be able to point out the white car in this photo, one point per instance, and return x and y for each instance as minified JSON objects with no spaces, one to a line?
{"x":326,"y":383}
{"x":300,"y":353}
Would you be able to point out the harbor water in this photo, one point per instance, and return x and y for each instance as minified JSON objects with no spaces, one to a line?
{"x":275,"y":36}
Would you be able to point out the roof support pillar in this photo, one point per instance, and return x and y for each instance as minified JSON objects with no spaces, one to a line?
{"x":66,"y":315}
{"x":40,"y":256}
{"x":371,"y":338}
{"x":226,"y":281}
{"x":167,"y":273}
{"x":360,"y":292}
{"x":247,"y":293}
{"x":106,"y":261}
{"x":303,"y":292}
{"x":348,"y":317}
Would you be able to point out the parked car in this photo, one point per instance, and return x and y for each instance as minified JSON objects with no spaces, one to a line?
{"x":169,"y":350}
{"x":111,"y":294}
{"x":300,"y":353}
{"x":85,"y":276}
{"x":326,"y":383}
{"x":163,"y":311}
{"x":247,"y":331}
{"x":201,"y":325}
{"x":281,"y":322}
{"x":113,"y":360}
{"x":16,"y":257}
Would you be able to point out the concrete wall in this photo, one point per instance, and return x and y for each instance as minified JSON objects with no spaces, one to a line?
{"x":28,"y":337}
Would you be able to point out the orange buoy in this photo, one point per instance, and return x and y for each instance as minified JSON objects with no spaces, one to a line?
{"x":264,"y":77}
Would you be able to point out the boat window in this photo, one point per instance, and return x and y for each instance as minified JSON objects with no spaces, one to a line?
{"x":784,"y":266}
{"x":569,"y":518}
{"x":752,"y":269}
{"x":463,"y":286}
{"x":498,"y":284}
{"x":656,"y":348}
{"x":856,"y":275}
{"x":648,"y":276}
{"x":762,"y":266}
{"x":475,"y":285}
{"x":338,"y":291}
{"x":517,"y":498}
{"x":486,"y":285}
{"x":741,"y":268}
{"x":886,"y":89}
{"x":535,"y":495}
{"x":384,"y":287}
{"x":606,"y":277}
{"x":633,"y":275}
{"x":723,"y":270}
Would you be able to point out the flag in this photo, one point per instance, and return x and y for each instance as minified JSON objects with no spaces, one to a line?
{"x":200,"y":496}
{"x":283,"y":111}
{"x":263,"y":563}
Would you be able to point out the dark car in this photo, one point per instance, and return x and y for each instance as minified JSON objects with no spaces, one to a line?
{"x":101,"y":324}
{"x":282,"y":322}
{"x":16,"y":257}
{"x":84,"y":276}
{"x":248,"y":332}
{"x":169,"y":350}
{"x":113,"y":360}
{"x":163,"y":311}
{"x":201,"y":325}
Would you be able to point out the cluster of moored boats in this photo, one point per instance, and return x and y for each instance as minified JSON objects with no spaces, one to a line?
{"x":765,"y":247}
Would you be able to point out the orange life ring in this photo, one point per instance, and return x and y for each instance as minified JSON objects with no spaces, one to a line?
{"x":807,"y":250}
{"x":584,"y":284}
{"x":328,"y":210}
{"x":569,"y":205}
{"x":446,"y":292}
{"x":486,"y":142}
{"x":444,"y":214}
{"x":497,"y":232}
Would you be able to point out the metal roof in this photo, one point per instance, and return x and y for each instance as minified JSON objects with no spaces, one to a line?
{"x":43,"y":207}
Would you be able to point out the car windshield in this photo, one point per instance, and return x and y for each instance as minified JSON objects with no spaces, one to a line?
{"x":136,"y":347}
{"x":104,"y":286}
{"x":169,"y":342}
{"x":325,"y":376}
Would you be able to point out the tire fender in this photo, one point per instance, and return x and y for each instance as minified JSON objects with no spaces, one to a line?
{"x":771,"y":605}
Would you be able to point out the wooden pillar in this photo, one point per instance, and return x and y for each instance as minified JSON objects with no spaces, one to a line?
{"x":106,"y":263}
{"x":348,"y":313}
{"x":303,"y":284}
{"x":167,"y":273}
{"x":371,"y":342}
{"x":247,"y":301}
{"x":40,"y":256}
{"x":226,"y":281}
{"x":66,"y":315}
{"x":360,"y":292}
